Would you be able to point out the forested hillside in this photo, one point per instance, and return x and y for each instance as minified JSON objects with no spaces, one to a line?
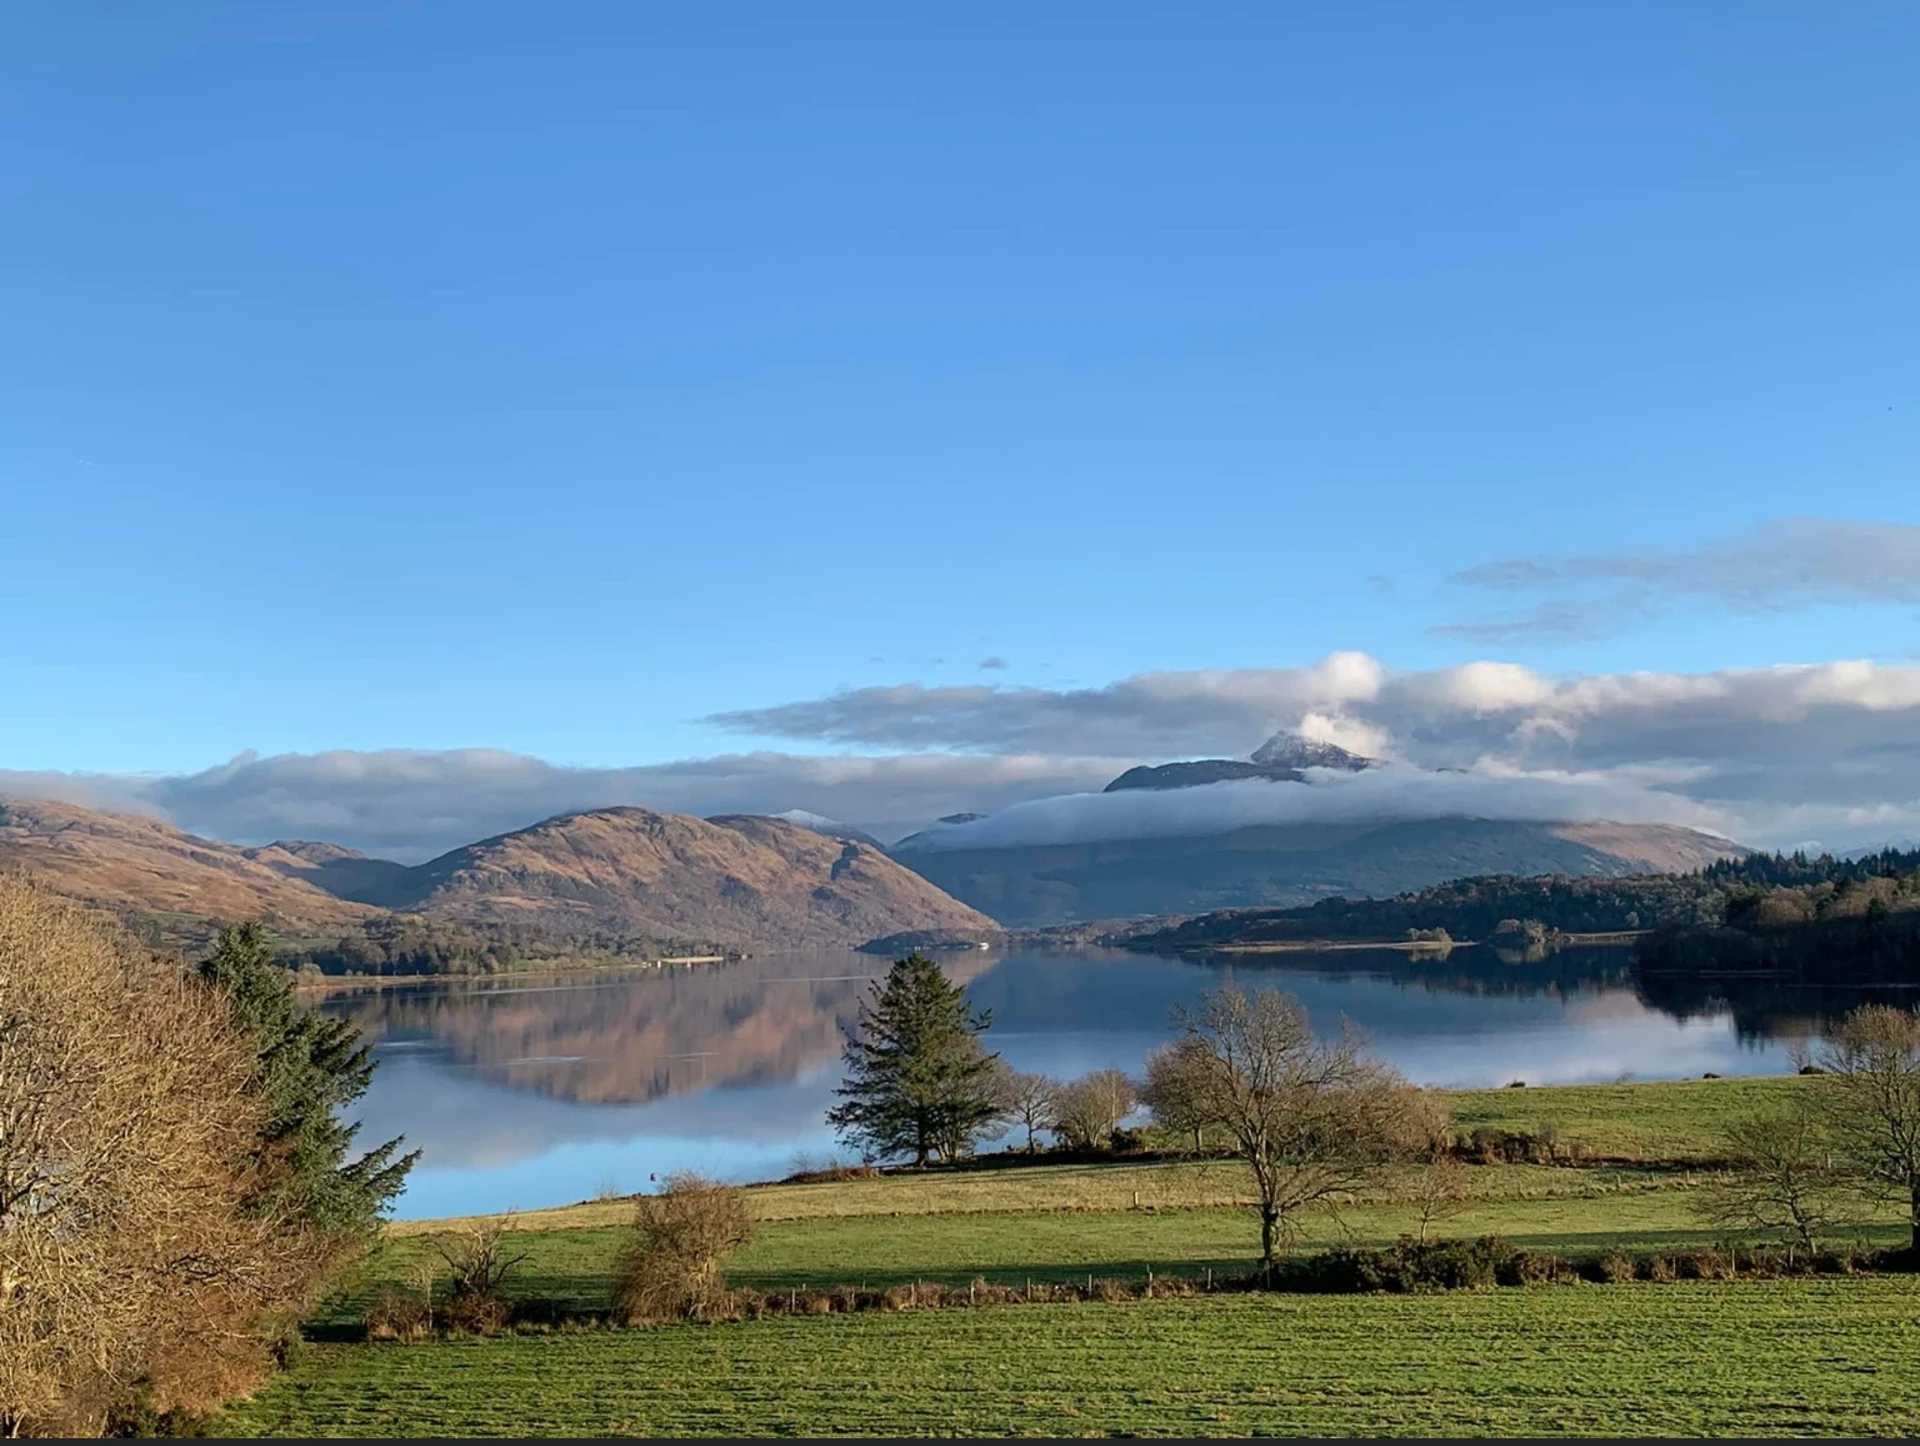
{"x":1762,"y":890}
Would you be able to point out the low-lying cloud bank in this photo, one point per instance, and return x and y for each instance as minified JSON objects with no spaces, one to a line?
{"x":413,"y":804}
{"x":1380,"y":795}
{"x":1825,"y":754}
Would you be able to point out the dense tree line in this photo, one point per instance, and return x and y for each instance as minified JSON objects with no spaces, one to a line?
{"x":1800,"y":869}
{"x":1475,"y":908}
{"x":400,"y":944}
{"x":1878,"y":945}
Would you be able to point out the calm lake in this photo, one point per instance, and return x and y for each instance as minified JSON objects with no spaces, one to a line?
{"x":531,"y":1091}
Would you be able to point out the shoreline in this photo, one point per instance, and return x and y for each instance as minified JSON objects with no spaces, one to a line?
{"x":1408,"y":946}
{"x":352,"y":983}
{"x":1011,"y":1164}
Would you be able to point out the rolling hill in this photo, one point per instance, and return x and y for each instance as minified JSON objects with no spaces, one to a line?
{"x":740,"y":878}
{"x":168,"y":883}
{"x":610,"y":874}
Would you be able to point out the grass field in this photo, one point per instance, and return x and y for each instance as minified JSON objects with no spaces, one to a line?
{"x":1616,"y":1209}
{"x":1663,"y":1120}
{"x":1754,"y":1358}
{"x":1823,"y":1356}
{"x":1656,"y":1123}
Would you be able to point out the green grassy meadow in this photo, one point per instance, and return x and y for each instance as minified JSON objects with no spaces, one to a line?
{"x":1749,"y":1356}
{"x":1726,"y":1358}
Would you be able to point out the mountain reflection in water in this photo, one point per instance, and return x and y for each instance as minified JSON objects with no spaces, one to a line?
{"x":546,"y":1089}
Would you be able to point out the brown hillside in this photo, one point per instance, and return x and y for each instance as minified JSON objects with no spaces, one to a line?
{"x":738,"y":879}
{"x":1656,"y":848}
{"x":143,"y":868}
{"x":343,"y":872}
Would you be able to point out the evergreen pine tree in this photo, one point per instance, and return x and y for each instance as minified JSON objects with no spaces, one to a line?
{"x":918,"y":1081}
{"x":309,"y":1068}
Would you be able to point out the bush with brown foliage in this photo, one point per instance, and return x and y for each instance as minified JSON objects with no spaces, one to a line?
{"x":128,"y":1265}
{"x":397,"y":1315}
{"x":671,"y":1268}
{"x":1614,"y":1267}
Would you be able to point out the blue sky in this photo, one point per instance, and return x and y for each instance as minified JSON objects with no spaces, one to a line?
{"x":549,"y":378}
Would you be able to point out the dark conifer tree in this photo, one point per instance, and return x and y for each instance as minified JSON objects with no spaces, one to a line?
{"x":918,"y":1080}
{"x":310,"y":1068}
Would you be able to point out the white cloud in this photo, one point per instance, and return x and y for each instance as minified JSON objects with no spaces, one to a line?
{"x":412,"y":804}
{"x":1377,"y":795}
{"x":1779,"y":566}
{"x":1785,"y":754}
{"x":1827,"y":753}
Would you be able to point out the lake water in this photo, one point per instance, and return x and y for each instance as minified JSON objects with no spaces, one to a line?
{"x":533,"y":1091}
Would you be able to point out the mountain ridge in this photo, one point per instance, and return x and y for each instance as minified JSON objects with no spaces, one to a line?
{"x":1283,"y":758}
{"x":609,"y":874}
{"x":1289,"y":865}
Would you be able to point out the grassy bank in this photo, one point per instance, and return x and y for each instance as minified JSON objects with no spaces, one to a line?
{"x":1740,"y":1356}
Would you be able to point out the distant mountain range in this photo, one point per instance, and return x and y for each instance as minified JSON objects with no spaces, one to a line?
{"x":619,"y":877}
{"x":617,"y":873}
{"x":1287,"y":866}
{"x":1035,"y":885}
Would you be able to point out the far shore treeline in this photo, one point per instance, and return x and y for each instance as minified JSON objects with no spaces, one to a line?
{"x":1743,"y":909}
{"x":1780,"y":914}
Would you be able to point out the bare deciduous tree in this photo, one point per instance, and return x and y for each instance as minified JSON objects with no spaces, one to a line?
{"x":1872,"y":1091}
{"x":125,"y":1254}
{"x":1175,"y":1090}
{"x":1440,"y":1192}
{"x":1313,"y":1119}
{"x":1026,"y":1101}
{"x":1086,"y":1110}
{"x":1784,"y":1176}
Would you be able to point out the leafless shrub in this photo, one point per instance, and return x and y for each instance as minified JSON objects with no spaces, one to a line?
{"x":475,"y":1313}
{"x":672,"y":1267}
{"x":1616,"y":1266}
{"x":397,"y":1315}
{"x":480,"y":1259}
{"x":1546,"y":1139}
